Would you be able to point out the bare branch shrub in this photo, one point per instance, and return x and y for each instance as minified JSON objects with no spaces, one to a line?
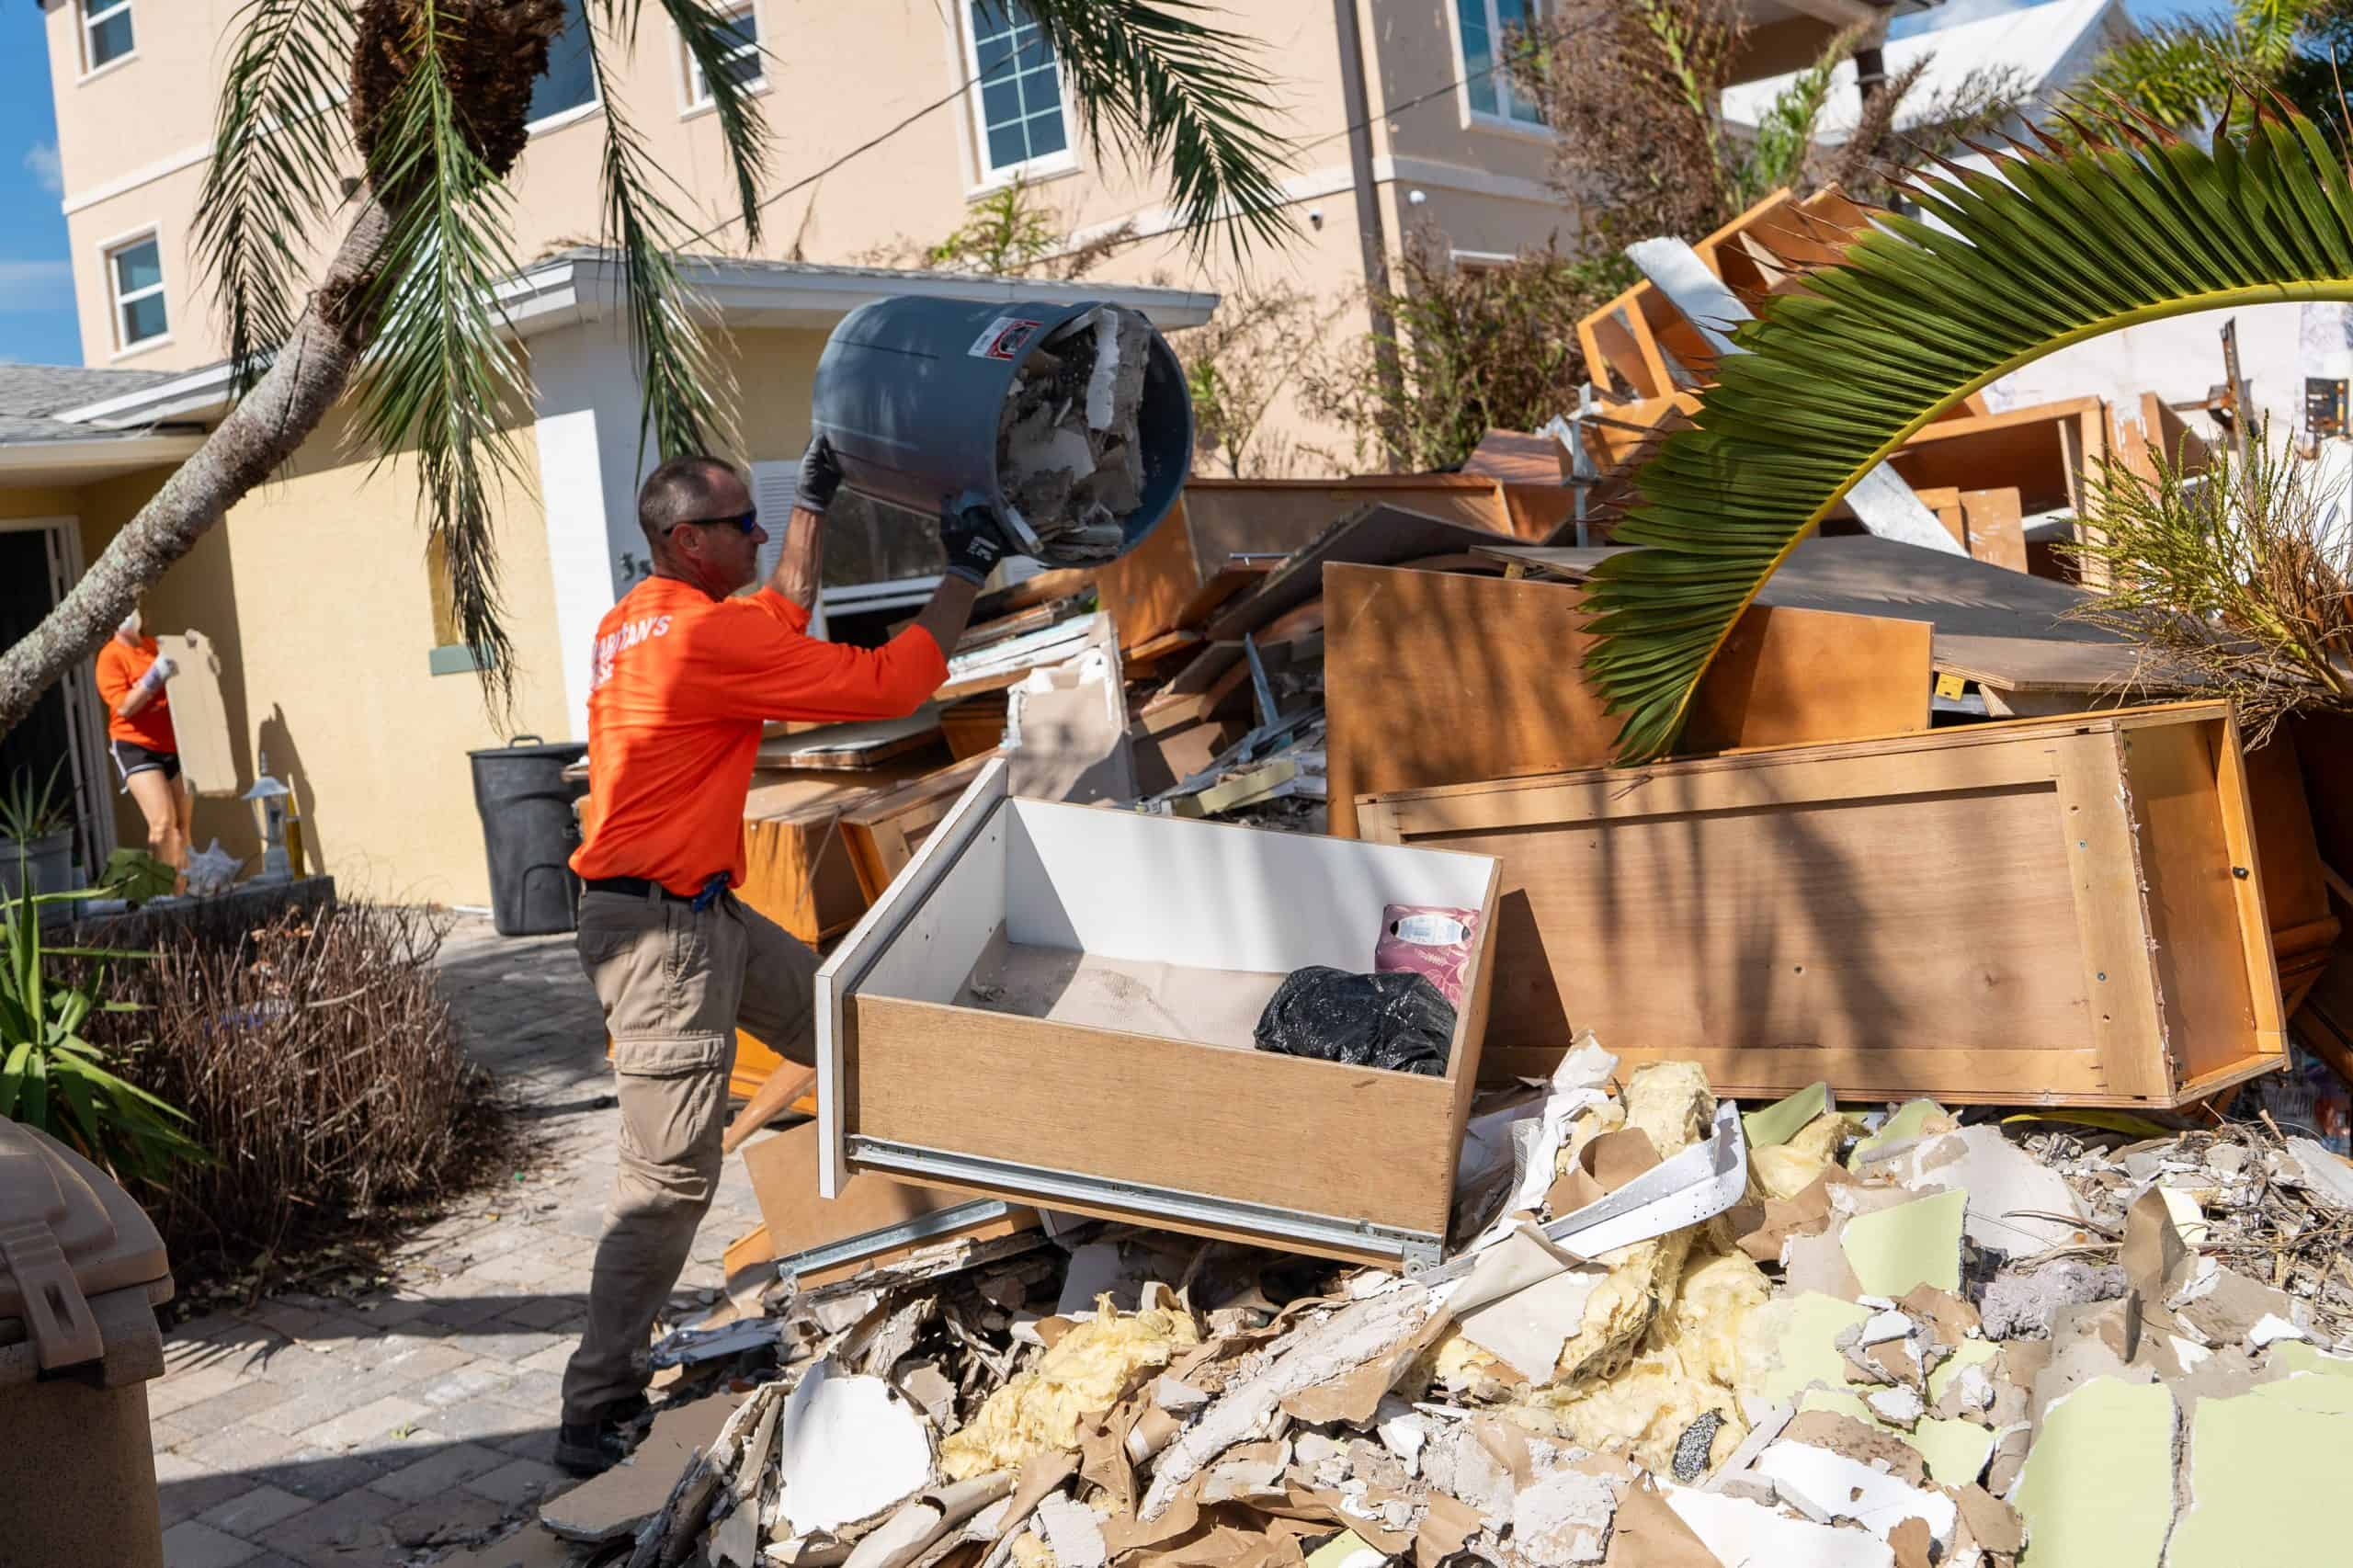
{"x":320,"y":1068}
{"x":1238,"y":363}
{"x":2233,"y":579}
{"x":1477,"y":349}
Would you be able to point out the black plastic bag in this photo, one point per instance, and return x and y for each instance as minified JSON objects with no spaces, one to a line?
{"x":1401,"y":1022}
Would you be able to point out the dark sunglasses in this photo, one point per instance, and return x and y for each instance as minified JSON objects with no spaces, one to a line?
{"x":746,"y":522}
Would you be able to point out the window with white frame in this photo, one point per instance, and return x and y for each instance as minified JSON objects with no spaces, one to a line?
{"x":569,"y":83}
{"x":106,"y":33}
{"x":135,"y":279}
{"x":742,"y":64}
{"x":1019,"y":88}
{"x":1491,"y":30}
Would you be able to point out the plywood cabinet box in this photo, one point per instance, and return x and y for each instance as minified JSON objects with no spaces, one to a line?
{"x":1053,"y":1004}
{"x":2064,"y":911}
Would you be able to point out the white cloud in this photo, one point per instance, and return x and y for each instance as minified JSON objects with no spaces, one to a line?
{"x":46,"y":171}
{"x":35,"y":286}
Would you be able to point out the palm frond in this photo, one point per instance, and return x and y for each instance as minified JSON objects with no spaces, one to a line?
{"x":443,"y":380}
{"x":710,"y":39}
{"x":2052,"y":247}
{"x":278,"y":147}
{"x":687,"y":394}
{"x":1171,"y":89}
{"x":2177,"y":72}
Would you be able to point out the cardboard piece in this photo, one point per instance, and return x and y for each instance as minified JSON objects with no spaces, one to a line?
{"x":1892,"y":1250}
{"x":1066,"y":726}
{"x":1954,"y":1450}
{"x":1648,"y":1534}
{"x":2098,"y":1488}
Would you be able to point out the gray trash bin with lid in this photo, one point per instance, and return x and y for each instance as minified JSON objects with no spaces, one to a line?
{"x":909,"y":390}
{"x":82,"y":1272}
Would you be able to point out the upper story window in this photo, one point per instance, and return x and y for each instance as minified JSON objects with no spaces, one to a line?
{"x":1019,"y":105}
{"x":569,"y":83}
{"x":135,"y":279}
{"x":742,"y":64}
{"x":1490,"y":28}
{"x":106,"y":33}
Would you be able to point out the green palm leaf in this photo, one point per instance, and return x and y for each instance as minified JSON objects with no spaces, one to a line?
{"x":2060,"y":245}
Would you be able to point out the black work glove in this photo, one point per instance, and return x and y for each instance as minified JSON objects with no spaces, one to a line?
{"x":974,"y":542}
{"x":821,"y":475}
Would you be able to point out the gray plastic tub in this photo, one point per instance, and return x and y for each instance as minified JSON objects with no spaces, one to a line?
{"x":909,"y":392}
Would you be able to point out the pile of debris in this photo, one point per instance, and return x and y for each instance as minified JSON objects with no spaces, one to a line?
{"x":1069,"y":454}
{"x":1674,"y":1336}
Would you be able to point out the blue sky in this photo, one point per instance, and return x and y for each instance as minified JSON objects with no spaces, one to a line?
{"x":37,"y":322}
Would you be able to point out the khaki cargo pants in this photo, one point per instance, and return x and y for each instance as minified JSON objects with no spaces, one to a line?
{"x":676,"y":983}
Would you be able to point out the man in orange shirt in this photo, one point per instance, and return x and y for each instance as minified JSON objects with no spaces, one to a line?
{"x":684,"y":674}
{"x":139,"y":736}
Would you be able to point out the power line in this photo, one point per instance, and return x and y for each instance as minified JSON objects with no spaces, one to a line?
{"x":966,"y":85}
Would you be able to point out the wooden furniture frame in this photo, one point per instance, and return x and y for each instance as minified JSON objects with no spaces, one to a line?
{"x":1176,"y":1133}
{"x":2047,"y":911}
{"x":1436,"y":678}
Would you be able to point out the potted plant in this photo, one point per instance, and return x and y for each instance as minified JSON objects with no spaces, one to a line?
{"x":36,"y":834}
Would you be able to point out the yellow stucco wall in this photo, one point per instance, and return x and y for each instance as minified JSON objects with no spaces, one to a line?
{"x":315,"y":592}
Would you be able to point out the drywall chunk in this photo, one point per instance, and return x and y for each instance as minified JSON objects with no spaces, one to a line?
{"x":2260,"y":1465}
{"x":849,"y":1448}
{"x":1563,"y":1519}
{"x":1850,"y":1489}
{"x":1074,"y":1531}
{"x":1738,"y":1532}
{"x":2098,"y":1488}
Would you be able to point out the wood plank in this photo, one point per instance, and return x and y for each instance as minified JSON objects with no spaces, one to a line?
{"x":850,"y":747}
{"x":199,"y":717}
{"x":1996,"y":531}
{"x":1515,"y":457}
{"x":1835,"y":903}
{"x":1789,"y":676}
{"x":883,"y":835}
{"x":1377,"y":536}
{"x":1440,"y":679}
{"x":1246,"y":1125}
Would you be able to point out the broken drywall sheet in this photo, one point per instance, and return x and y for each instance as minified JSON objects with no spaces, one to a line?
{"x":1909,"y":1121}
{"x":1777,"y":1123}
{"x":1895,"y":1250}
{"x":2257,"y":1465}
{"x":1956,"y":1451}
{"x":1846,"y":1488}
{"x":851,"y":1447}
{"x":1563,"y":1519}
{"x":2009,"y":1189}
{"x":1790,"y":1343}
{"x":609,"y":1507}
{"x":2098,"y":1487}
{"x":1741,"y":1533}
{"x":1074,"y":1531}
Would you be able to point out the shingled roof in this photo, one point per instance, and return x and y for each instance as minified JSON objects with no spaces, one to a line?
{"x":31,"y":395}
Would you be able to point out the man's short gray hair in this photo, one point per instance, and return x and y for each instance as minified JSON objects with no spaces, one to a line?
{"x":681,"y":491}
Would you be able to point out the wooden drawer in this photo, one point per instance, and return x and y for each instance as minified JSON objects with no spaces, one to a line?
{"x":2053,"y":910}
{"x":1108,"y":1069}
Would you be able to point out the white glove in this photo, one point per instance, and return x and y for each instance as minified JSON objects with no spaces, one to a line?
{"x":162,"y":670}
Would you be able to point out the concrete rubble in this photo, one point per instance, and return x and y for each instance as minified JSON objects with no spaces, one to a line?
{"x":2064,"y":1386}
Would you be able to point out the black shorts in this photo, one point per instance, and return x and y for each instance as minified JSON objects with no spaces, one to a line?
{"x":131,"y":757}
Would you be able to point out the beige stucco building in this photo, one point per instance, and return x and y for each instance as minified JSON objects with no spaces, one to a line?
{"x":893,"y":119}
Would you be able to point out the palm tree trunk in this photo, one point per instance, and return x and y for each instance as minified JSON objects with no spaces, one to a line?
{"x":259,"y":434}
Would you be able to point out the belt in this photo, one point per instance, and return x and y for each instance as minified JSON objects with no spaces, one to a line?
{"x":642,"y":887}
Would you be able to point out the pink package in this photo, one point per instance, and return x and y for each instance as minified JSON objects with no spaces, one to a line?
{"x":1428,"y":939}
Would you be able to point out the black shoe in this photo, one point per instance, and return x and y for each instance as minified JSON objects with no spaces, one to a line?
{"x":591,"y":1447}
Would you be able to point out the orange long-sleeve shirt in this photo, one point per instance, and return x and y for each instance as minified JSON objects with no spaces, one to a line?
{"x":681,"y":686}
{"x":120,"y":667}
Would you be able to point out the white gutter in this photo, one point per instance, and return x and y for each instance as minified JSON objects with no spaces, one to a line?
{"x":97,"y":452}
{"x":571,"y":291}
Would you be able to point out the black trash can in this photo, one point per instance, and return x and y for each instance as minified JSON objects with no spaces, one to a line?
{"x":529,"y":830}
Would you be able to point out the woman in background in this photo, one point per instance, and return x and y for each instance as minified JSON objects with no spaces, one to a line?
{"x":139,"y":732}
